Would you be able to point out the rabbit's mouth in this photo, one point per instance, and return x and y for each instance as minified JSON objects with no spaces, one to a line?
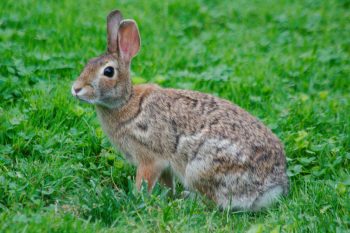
{"x":89,"y":101}
{"x":84,"y":94}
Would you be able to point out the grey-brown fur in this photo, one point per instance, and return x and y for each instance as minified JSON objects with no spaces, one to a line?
{"x":212,"y":145}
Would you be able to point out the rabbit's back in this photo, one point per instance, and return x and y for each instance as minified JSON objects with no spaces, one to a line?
{"x":220,"y":149}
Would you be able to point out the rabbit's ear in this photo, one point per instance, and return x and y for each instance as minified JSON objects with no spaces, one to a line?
{"x":113,"y":21}
{"x":128,"y":40}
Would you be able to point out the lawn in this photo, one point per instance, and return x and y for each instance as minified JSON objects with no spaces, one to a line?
{"x":286,"y":62}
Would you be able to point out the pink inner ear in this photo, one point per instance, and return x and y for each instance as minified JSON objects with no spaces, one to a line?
{"x":129,"y":41}
{"x":124,"y":48}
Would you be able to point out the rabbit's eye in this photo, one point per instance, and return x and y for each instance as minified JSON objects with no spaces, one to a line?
{"x":108,"y":71}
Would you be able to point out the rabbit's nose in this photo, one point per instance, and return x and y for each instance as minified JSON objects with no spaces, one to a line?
{"x":77,"y":90}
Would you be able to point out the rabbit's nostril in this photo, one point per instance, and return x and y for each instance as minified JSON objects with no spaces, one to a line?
{"x":77,"y":90}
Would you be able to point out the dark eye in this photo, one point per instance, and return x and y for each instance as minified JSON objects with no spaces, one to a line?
{"x":108,"y":71}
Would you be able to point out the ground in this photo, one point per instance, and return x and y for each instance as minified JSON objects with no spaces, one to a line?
{"x":286,"y":62}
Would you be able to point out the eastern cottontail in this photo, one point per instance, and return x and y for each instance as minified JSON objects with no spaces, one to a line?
{"x":212,"y":145}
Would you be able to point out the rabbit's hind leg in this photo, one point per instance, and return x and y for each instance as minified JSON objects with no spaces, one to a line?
{"x":228,"y":189}
{"x":197,"y":178}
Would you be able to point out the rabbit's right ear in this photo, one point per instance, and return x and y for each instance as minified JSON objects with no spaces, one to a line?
{"x":129,"y":41}
{"x":113,"y":21}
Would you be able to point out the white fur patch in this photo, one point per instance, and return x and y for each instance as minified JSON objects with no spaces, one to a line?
{"x":267,"y":198}
{"x":73,"y":91}
{"x":243,"y":202}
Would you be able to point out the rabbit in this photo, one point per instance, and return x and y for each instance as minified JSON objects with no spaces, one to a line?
{"x":212,"y":146}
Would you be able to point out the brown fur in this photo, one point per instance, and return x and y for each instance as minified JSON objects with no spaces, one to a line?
{"x":212,"y":145}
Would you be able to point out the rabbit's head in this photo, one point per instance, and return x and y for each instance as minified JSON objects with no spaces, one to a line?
{"x":105,"y":80}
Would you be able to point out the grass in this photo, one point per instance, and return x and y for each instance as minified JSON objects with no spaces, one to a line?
{"x":286,"y":62}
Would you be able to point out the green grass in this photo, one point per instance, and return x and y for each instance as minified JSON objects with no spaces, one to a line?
{"x":286,"y":62}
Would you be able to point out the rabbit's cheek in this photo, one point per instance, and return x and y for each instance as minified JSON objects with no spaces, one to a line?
{"x":107,"y":85}
{"x":90,"y":93}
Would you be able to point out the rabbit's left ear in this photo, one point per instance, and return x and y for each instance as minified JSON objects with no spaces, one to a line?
{"x":113,"y":21}
{"x":128,"y":40}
